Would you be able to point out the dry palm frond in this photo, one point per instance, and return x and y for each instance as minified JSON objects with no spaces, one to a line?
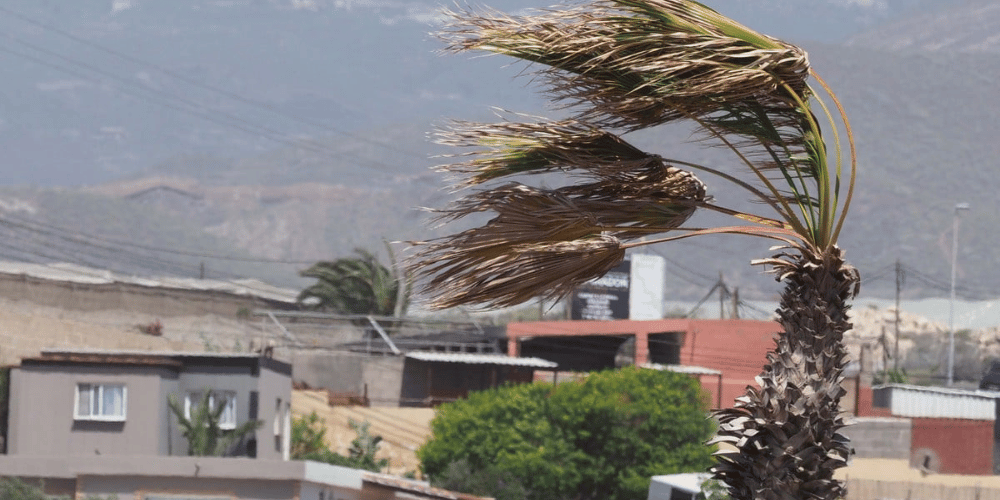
{"x":530,"y":214}
{"x":512,"y":148}
{"x":481,"y":267}
{"x":534,"y":228}
{"x":630,"y":64}
{"x":639,"y":63}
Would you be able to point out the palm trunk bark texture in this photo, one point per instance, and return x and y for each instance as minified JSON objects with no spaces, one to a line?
{"x":786,"y":431}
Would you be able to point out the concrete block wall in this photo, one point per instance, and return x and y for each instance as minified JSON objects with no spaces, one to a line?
{"x":880,"y":437}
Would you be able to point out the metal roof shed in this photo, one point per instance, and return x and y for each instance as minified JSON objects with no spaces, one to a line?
{"x":481,"y":359}
{"x":936,"y":402}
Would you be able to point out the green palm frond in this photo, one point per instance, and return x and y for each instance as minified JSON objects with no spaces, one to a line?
{"x":355,"y":285}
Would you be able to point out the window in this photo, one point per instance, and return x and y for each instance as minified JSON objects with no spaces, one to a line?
{"x":100,"y":402}
{"x":227,"y":420}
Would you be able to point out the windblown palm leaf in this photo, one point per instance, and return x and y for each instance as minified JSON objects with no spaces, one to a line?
{"x":631,"y":64}
{"x":624,"y":65}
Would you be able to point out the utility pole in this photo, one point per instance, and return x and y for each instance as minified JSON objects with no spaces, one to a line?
{"x":951,"y":308}
{"x":900,"y":278}
{"x":722,"y":297}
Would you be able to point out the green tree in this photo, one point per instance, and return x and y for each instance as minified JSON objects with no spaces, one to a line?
{"x":482,"y":480}
{"x":601,"y":437}
{"x":357,"y":285}
{"x":201,"y":429}
{"x":625,"y":65}
{"x":309,"y":443}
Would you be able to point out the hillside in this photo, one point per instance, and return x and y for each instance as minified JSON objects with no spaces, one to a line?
{"x":304,"y":162}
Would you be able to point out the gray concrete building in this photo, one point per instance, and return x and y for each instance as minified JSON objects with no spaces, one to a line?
{"x":98,"y":423}
{"x":115,"y":403}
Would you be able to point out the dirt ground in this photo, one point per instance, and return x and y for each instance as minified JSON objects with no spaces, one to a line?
{"x":27,"y":328}
{"x":403,"y":430}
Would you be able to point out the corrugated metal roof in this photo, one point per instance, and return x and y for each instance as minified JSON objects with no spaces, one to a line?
{"x":481,"y":359}
{"x":686,"y":369}
{"x":939,"y":402}
{"x":73,"y":273}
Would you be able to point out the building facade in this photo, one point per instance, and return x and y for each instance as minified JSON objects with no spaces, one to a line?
{"x":116,"y":403}
{"x":87,"y":423}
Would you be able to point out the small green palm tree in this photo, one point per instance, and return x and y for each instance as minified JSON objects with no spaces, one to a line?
{"x":201,"y":429}
{"x":357,"y":285}
{"x":625,"y":65}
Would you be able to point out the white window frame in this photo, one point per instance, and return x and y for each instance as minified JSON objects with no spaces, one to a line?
{"x":97,"y":394}
{"x":193,"y":398}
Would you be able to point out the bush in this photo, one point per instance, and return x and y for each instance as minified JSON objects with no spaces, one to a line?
{"x":602,"y":437}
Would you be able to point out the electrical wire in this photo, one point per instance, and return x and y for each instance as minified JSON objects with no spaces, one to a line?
{"x":204,"y":86}
{"x":110,"y":241}
{"x":164,"y":99}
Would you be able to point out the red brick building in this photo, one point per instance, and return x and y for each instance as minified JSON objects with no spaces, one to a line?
{"x":737,"y":348}
{"x":953,"y":430}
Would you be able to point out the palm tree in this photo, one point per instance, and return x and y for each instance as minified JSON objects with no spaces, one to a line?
{"x":624,"y":65}
{"x":201,"y":428}
{"x":357,"y":285}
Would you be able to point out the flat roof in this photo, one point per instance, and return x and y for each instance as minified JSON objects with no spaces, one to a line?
{"x":687,"y":369}
{"x":169,"y":359}
{"x":481,"y":359}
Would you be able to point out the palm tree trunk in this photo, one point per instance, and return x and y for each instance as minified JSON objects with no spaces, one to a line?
{"x":786,"y":432}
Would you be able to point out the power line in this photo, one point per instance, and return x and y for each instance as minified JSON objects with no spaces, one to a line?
{"x":24,"y":222}
{"x":189,"y":107}
{"x":111,"y":256}
{"x":201,"y":85}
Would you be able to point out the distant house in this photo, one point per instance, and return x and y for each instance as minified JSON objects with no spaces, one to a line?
{"x":98,"y":423}
{"x":115,"y":403}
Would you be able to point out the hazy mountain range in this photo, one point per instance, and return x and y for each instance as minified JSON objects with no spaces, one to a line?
{"x":153,"y":136}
